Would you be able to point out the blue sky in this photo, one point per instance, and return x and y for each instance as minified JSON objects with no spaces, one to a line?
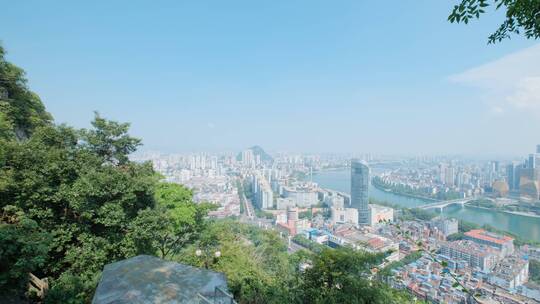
{"x":305,"y":76}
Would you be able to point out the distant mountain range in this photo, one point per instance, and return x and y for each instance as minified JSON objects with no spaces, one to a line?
{"x":257,"y":150}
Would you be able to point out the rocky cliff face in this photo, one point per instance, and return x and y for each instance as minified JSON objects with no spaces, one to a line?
{"x":21,"y":110}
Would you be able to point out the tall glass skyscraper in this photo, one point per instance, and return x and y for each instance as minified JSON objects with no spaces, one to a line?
{"x":512,"y":176}
{"x":532,"y":161}
{"x":360,"y":190}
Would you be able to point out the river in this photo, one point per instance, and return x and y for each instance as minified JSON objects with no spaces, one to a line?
{"x":524,"y":226}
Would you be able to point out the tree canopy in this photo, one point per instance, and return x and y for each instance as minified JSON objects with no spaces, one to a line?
{"x":259,"y":268}
{"x":24,"y":248}
{"x":175,"y":222}
{"x":521,"y":16}
{"x":73,"y":193}
{"x":343,"y":276}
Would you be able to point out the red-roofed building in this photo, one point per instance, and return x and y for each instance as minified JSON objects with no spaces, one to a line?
{"x":502,"y":242}
{"x":376,"y":243}
{"x":348,"y":235}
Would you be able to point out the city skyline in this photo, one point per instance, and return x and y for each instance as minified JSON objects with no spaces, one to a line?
{"x":366,"y":156}
{"x":314,"y":78}
{"x":270,"y":152}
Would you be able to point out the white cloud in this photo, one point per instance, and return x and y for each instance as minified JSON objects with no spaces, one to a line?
{"x":512,"y":81}
{"x":496,"y":110}
{"x":527,"y":94}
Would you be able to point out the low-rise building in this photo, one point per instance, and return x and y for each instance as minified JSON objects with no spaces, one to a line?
{"x":316,"y":235}
{"x":344,"y":215}
{"x":530,"y":290}
{"x":510,"y":273}
{"x":284,"y":203}
{"x":378,"y":213}
{"x":502,"y":242}
{"x":446,"y":226}
{"x":474,"y":254}
{"x":303,"y":196}
{"x":348,"y":235}
{"x":334,"y":200}
{"x":294,"y":225}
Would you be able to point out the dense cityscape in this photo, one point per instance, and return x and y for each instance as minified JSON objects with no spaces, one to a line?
{"x":279,"y":193}
{"x":270,"y":152}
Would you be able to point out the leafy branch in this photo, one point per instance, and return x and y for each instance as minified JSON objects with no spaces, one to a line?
{"x":522,"y":17}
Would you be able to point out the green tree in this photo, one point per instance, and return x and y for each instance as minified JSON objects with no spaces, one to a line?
{"x":23,"y":249}
{"x":177,"y":200}
{"x":174,"y":223}
{"x":84,"y":200}
{"x":309,"y":244}
{"x":341,"y":276}
{"x":522,"y":16}
{"x":465,"y":226}
{"x":255,"y":261}
{"x":534,"y":270}
{"x":110,"y":140}
{"x":72,"y":288}
{"x":306,"y":214}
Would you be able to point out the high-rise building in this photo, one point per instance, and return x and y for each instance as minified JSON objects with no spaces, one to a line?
{"x":262,"y":191}
{"x":511,"y":176}
{"x":360,"y":174}
{"x":537,"y":158}
{"x":449,"y":176}
{"x":531,"y":164}
{"x":248,"y":158}
{"x":494,"y":166}
{"x":442,"y":173}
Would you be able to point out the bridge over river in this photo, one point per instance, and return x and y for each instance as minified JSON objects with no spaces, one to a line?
{"x":429,"y":205}
{"x":442,"y":204}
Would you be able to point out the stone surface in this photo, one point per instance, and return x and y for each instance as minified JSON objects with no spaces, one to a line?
{"x":148,"y":279}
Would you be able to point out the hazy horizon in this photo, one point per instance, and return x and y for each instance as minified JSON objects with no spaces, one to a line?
{"x":304,"y":76}
{"x":143,"y":151}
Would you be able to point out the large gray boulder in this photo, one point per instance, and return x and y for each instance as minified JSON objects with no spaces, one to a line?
{"x":148,"y":279}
